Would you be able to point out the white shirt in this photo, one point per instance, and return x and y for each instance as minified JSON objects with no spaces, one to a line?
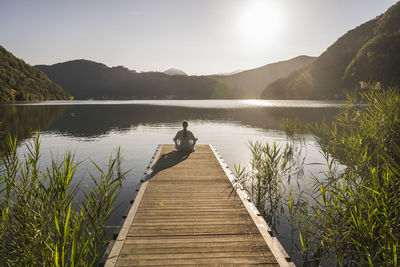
{"x":185,"y":142}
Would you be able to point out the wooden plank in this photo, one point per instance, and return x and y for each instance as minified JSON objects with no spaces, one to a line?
{"x":196,"y":239}
{"x":193,"y":247}
{"x":186,"y":214}
{"x":202,"y":255}
{"x":195,"y":261}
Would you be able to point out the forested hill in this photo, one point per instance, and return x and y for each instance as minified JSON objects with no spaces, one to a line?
{"x":251,"y":83}
{"x":91,"y":80}
{"x":22,"y":82}
{"x":368,"y":53}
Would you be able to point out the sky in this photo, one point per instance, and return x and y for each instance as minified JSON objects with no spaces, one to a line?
{"x":200,"y":37}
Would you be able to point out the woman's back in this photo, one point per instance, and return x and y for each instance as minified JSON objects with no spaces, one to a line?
{"x":184,"y":139}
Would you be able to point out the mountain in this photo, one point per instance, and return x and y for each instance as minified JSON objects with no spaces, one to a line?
{"x":368,"y":53}
{"x":250,"y":83}
{"x":229,"y":73}
{"x":22,"y":82}
{"x":173,"y":71}
{"x":87,"y":79}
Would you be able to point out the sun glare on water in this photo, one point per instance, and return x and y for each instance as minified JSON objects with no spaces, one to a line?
{"x":259,"y":23}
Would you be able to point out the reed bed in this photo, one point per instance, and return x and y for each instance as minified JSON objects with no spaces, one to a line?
{"x":43,"y":223}
{"x":351,"y":215}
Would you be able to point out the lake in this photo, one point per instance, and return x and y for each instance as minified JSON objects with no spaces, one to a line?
{"x":93,"y":129}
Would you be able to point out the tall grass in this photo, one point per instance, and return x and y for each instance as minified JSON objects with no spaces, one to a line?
{"x":270,"y":165}
{"x":355,"y":216}
{"x":351,"y":215}
{"x":42,"y":221}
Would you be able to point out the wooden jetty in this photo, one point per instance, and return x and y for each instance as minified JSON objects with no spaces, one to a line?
{"x":185,"y":214}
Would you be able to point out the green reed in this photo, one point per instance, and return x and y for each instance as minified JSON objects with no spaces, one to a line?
{"x":354,"y":215}
{"x":42,"y":221}
{"x":263,"y":180}
{"x":350,"y":215}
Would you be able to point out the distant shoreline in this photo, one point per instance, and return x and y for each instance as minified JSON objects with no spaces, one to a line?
{"x":199,"y":103}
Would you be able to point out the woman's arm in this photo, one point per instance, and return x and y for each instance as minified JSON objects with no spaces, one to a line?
{"x":193,"y":138}
{"x":176,"y":137}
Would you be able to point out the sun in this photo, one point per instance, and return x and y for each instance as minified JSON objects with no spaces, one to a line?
{"x":260,"y":22}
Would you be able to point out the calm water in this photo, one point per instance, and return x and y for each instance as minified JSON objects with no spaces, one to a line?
{"x":93,"y":129}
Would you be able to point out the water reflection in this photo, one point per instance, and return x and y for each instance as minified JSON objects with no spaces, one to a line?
{"x":93,"y":121}
{"x":19,"y":121}
{"x":98,"y":120}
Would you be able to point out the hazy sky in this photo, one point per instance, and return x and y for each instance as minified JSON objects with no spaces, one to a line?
{"x":199,"y":37}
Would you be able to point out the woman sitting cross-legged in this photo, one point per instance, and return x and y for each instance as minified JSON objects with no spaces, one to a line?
{"x":184,"y":139}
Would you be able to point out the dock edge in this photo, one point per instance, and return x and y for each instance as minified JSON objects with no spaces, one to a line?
{"x":119,"y":242}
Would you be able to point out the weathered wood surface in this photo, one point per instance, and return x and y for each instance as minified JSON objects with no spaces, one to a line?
{"x":185,"y":214}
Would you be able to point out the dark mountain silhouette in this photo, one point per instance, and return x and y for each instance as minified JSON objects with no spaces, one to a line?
{"x":21,"y":81}
{"x":87,"y":79}
{"x":368,"y":53}
{"x":250,"y":83}
{"x":173,"y":71}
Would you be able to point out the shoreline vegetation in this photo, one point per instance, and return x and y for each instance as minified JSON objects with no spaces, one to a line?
{"x":351,"y":215}
{"x":20,"y":81}
{"x":43,"y":223}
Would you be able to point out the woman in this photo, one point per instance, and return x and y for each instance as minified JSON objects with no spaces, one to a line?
{"x":184,"y":139}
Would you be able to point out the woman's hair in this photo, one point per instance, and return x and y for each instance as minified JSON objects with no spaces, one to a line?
{"x":185,"y":122}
